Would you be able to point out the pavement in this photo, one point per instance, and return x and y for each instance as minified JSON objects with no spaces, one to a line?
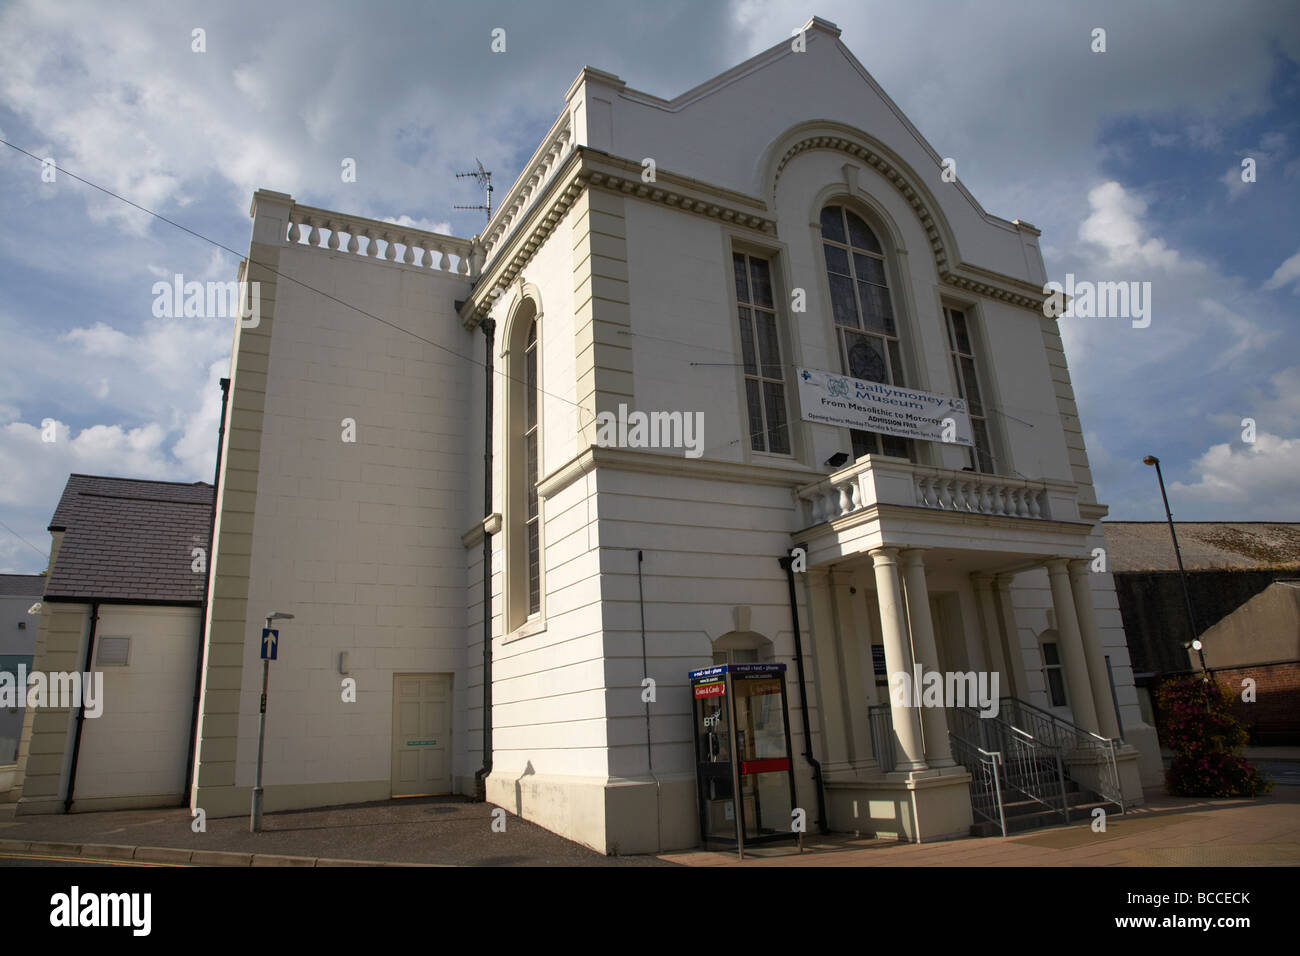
{"x":455,"y":831}
{"x":1164,"y":831}
{"x":437,"y":831}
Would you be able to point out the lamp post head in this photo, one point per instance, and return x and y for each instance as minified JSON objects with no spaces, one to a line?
{"x":279,"y":616}
{"x":1150,"y":460}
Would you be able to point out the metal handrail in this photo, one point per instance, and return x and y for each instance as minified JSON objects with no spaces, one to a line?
{"x":1069,"y":737}
{"x":996,"y":758}
{"x":1028,"y":761}
{"x":989,"y":764}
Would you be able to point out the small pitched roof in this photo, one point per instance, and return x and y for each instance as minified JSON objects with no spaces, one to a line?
{"x":1206,"y":545}
{"x":22,"y":585}
{"x":130,"y":540}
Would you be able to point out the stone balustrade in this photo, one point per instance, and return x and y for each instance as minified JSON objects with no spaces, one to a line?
{"x":980,"y":494}
{"x":383,"y":240}
{"x":877,"y":480}
{"x":537,"y":173}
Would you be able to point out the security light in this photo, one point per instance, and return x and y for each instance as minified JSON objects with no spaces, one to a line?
{"x":35,"y":608}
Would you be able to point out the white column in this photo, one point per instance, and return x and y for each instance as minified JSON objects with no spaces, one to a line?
{"x":938,"y":752}
{"x":1102,"y":697}
{"x":1010,"y":636}
{"x":898,"y":658}
{"x":853,"y":634}
{"x":1076,"y":661}
{"x":826,"y":661}
{"x":983,"y":587}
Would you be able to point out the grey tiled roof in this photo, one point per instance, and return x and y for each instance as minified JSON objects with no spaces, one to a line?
{"x":130,"y":540}
{"x":22,"y":585}
{"x":1146,"y":545}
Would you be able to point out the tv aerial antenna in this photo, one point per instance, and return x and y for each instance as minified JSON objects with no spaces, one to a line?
{"x":484,"y":179}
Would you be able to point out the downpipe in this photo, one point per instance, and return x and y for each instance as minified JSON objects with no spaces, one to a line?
{"x":787,"y":563}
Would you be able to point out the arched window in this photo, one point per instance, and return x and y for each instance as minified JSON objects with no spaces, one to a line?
{"x":522,"y":454}
{"x":863,"y":313}
{"x":532,"y":531}
{"x":741,"y":647}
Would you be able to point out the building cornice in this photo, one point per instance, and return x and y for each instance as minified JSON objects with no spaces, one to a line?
{"x":491,"y":524}
{"x":643,"y":462}
{"x":554,"y":149}
{"x":991,"y":285}
{"x":587,"y":168}
{"x":1095,"y":512}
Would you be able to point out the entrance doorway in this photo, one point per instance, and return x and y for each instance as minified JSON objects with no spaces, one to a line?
{"x":421,"y":764}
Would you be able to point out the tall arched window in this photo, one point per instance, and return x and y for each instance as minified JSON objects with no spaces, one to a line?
{"x":864,"y":315}
{"x":531,"y":530}
{"x":522,"y":454}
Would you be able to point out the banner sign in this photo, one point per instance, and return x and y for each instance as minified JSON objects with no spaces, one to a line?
{"x":831,"y":399}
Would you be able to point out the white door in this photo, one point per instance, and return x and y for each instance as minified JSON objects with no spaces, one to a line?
{"x":421,"y":734}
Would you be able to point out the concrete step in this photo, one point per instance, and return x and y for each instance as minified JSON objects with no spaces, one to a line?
{"x":1025,"y":815}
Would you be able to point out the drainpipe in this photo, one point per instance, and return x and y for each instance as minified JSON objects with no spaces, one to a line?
{"x":489,"y":327}
{"x":788,"y":564}
{"x":81,"y":711}
{"x":649,"y":749}
{"x":207,"y":583}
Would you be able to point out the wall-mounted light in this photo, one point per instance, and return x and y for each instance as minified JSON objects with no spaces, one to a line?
{"x":837,"y":459}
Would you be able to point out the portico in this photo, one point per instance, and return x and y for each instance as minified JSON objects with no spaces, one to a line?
{"x":910,"y":573}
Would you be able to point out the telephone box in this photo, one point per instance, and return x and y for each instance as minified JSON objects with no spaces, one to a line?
{"x":742,"y":746}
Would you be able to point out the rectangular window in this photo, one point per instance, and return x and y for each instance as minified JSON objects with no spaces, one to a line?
{"x":962,"y":351}
{"x":760,"y":348}
{"x":1055,"y":674}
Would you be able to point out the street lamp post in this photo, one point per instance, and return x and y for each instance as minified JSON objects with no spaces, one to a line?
{"x":255,"y":820}
{"x":1182,"y":573}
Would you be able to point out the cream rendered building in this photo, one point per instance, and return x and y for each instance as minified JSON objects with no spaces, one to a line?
{"x":352,"y":488}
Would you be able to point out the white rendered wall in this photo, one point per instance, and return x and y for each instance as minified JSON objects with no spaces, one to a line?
{"x":682,"y":312}
{"x":361,"y":541}
{"x":138,"y":745}
{"x":547,"y":678}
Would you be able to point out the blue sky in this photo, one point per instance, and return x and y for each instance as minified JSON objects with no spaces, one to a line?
{"x":1128,"y":160}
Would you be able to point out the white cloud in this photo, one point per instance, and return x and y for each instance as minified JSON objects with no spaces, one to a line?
{"x":1115,"y":226}
{"x":1236,"y":185}
{"x":1287,"y":274}
{"x":1259,"y":481}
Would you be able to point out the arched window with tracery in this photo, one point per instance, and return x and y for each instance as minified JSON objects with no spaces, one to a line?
{"x":863,"y":313}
